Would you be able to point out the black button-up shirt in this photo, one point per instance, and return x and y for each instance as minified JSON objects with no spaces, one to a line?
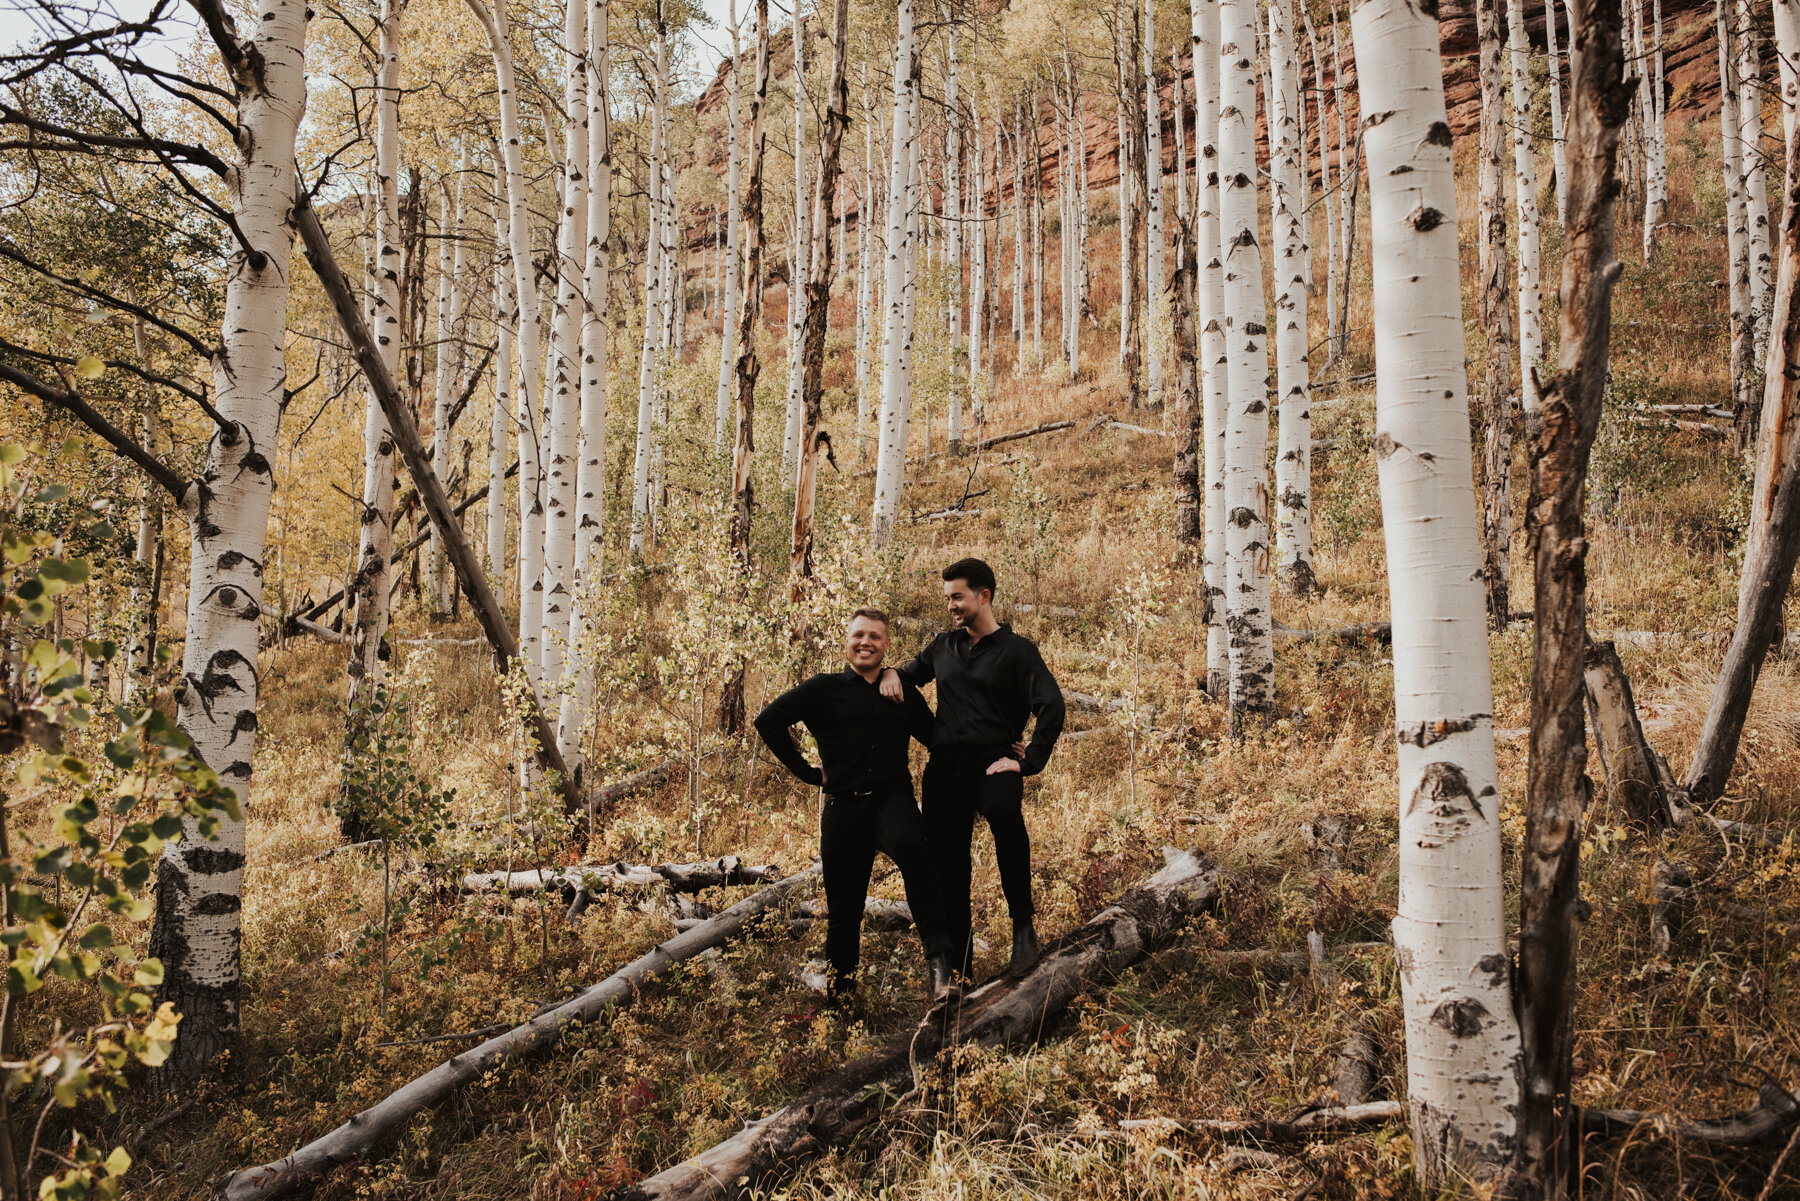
{"x":862,"y":736}
{"x":985,"y":692}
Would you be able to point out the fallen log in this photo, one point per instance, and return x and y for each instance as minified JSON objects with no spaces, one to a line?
{"x":1006,"y":1009}
{"x":1339,"y":1119}
{"x":624,"y":877}
{"x":1686,"y":427}
{"x":358,"y":1137}
{"x":946,"y":514}
{"x":1775,"y":1111}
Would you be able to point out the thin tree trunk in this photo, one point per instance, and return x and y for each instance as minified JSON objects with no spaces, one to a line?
{"x":503,"y":375}
{"x":1756,"y":198}
{"x":447,"y":377}
{"x":1773,"y":539}
{"x":1462,"y":1043}
{"x":1326,"y":196}
{"x":1737,"y":225}
{"x":1558,"y":142}
{"x":818,"y":299}
{"x":800,"y":254}
{"x":1531,"y":304}
{"x":896,"y":403}
{"x":865,"y":274}
{"x":1349,"y":176}
{"x":1561,"y":436}
{"x":1188,"y":498}
{"x":954,"y":265}
{"x":1155,"y":282}
{"x":1247,"y":542}
{"x":657,"y":268}
{"x":196,"y":932}
{"x":728,"y":300}
{"x":1293,"y":453}
{"x":1496,"y":304}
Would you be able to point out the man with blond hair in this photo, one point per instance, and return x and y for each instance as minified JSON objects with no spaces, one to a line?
{"x":869,"y":806}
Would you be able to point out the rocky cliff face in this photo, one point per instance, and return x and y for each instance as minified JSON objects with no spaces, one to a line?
{"x":1691,"y":79}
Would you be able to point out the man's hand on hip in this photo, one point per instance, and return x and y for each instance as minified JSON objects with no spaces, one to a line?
{"x":891,"y":687}
{"x":1002,"y":766}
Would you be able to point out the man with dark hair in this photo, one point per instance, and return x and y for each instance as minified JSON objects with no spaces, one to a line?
{"x":989,"y":681}
{"x":869,"y":804}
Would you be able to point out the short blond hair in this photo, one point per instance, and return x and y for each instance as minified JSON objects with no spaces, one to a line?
{"x":873,"y":614}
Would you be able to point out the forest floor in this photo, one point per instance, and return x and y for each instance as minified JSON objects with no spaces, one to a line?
{"x":1300,"y":815}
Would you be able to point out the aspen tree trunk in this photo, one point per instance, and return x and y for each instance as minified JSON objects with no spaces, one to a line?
{"x":197,"y":927}
{"x":1065,"y":192}
{"x":728,"y":299}
{"x":525,"y":295}
{"x":438,"y":599}
{"x":800,"y":252}
{"x":1132,"y":222}
{"x":1787,"y":33}
{"x":1252,"y":655}
{"x":1155,"y":282}
{"x":1214,"y":367}
{"x":865,"y":276}
{"x":1325,"y":192}
{"x":1531,"y":303}
{"x":1123,"y":157}
{"x":1743,"y":318}
{"x":1560,"y":436}
{"x":896,"y":404}
{"x":1558,"y":150}
{"x":656,"y":268}
{"x":673,"y":272}
{"x":818,"y":300}
{"x":953,"y":199}
{"x":1347,"y":182}
{"x":1756,"y":198}
{"x":1657,"y":199}
{"x":1031,"y":121}
{"x":978,"y":296}
{"x":1085,"y":308}
{"x":1496,"y":307}
{"x":503,"y":370}
{"x":1182,"y":210}
{"x":743,"y":492}
{"x":1018,"y":295}
{"x":372,"y":584}
{"x":596,"y":318}
{"x":1188,"y":498}
{"x":1773,"y":539}
{"x":564,"y":411}
{"x":452,"y":345}
{"x":1293,"y":452}
{"x":1462,"y":1043}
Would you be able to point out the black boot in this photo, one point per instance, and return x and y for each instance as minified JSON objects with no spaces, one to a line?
{"x":1025,"y":948}
{"x":943,"y":979}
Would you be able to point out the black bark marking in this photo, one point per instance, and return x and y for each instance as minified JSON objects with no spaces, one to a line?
{"x":1439,"y":133}
{"x":216,"y":903}
{"x":203,"y":860}
{"x":1495,"y":966}
{"x":1430,"y":732}
{"x":1441,"y":786}
{"x":1425,"y":219}
{"x":1461,"y":1016}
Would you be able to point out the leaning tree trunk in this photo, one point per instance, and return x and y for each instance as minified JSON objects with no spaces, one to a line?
{"x":1462,"y":1042}
{"x":818,"y":298}
{"x":590,"y":502}
{"x":1293,"y":454}
{"x":1252,"y":654}
{"x":1561,"y":435}
{"x":896,"y":404}
{"x":197,"y":929}
{"x":1204,"y":21}
{"x":1496,"y":304}
{"x":372,"y":584}
{"x":1773,"y":540}
{"x":531,"y":374}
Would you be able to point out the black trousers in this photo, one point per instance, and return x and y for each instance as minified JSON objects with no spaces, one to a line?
{"x":956,"y":790}
{"x":852,"y":830}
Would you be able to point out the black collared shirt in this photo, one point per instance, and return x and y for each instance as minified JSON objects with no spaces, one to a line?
{"x":985,"y":692}
{"x":862,"y":736}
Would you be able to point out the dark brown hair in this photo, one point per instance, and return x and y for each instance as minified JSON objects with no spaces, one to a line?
{"x":973,"y":572}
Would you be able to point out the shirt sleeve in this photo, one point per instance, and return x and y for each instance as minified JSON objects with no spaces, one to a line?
{"x":773,"y":723}
{"x":921,"y":669}
{"x":1047,"y":706}
{"x":920,"y":721}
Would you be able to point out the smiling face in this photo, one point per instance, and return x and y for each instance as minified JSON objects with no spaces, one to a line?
{"x":964,"y":602}
{"x":865,"y":643}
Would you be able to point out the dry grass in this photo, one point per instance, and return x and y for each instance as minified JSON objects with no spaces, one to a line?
{"x":731,"y":1036}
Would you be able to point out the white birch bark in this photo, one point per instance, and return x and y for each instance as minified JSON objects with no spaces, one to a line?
{"x":1657,"y":212}
{"x":654,"y":269}
{"x":1252,"y":656}
{"x":1787,"y":34}
{"x":590,"y":503}
{"x":197,"y":927}
{"x":1559,"y":156}
{"x":1462,"y":1041}
{"x":525,"y":299}
{"x":1346,"y":209}
{"x":1084,"y":307}
{"x":1531,"y":297}
{"x":800,"y":255}
{"x":501,"y":418}
{"x":728,"y":299}
{"x":1214,"y":369}
{"x":1293,"y":390}
{"x":953,"y":201}
{"x":1018,"y":296}
{"x":1330,"y":209}
{"x":977,"y":215}
{"x":452,"y":364}
{"x":373,"y":582}
{"x":1123,"y":157}
{"x":865,"y":275}
{"x":1036,"y":224}
{"x":1155,"y":279}
{"x":896,"y":404}
{"x":1755,"y":189}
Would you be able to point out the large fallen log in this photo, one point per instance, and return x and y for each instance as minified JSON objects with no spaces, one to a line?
{"x":358,"y":1137}
{"x":1004,"y":1010}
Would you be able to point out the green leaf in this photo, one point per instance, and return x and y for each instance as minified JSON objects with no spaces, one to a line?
{"x":149,"y":973}
{"x":89,"y":367}
{"x":118,"y":1163}
{"x":69,"y":571}
{"x":11,"y":452}
{"x":96,"y":936}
